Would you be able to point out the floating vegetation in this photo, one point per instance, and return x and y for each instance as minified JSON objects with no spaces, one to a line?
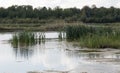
{"x":94,"y":37}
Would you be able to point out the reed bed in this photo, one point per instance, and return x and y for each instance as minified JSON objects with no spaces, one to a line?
{"x":94,"y":37}
{"x":100,"y":41}
{"x":61,"y":35}
{"x":27,"y":39}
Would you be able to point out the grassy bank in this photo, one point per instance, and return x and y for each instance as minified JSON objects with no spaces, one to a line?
{"x":49,"y":25}
{"x":94,"y":37}
{"x":56,"y":25}
{"x":102,"y":35}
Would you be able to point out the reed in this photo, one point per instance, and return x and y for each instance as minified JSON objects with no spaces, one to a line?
{"x":75,"y":32}
{"x":27,"y":39}
{"x":94,"y":37}
{"x":60,"y":35}
{"x":41,"y":37}
{"x":15,"y":41}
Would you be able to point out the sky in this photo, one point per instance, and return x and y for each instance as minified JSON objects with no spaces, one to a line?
{"x":61,"y":3}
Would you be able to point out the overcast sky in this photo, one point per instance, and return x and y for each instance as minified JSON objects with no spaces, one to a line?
{"x":61,"y":3}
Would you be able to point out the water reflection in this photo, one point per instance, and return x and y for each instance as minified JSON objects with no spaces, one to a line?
{"x":91,"y":56}
{"x":118,"y":56}
{"x":25,"y":51}
{"x":21,"y":53}
{"x":49,"y":55}
{"x":24,"y":43}
{"x":53,"y":48}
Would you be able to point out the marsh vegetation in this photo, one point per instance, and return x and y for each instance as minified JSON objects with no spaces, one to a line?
{"x":94,"y":37}
{"x":52,"y":52}
{"x":34,"y":47}
{"x":25,"y":38}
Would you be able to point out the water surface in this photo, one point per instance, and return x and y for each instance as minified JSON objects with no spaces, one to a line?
{"x":55,"y":54}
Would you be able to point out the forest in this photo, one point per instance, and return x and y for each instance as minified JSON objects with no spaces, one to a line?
{"x":87,"y":14}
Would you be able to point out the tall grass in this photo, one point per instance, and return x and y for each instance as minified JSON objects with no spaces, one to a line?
{"x":41,"y":37}
{"x":94,"y":37}
{"x":23,"y":38}
{"x":27,"y":39}
{"x":61,"y":35}
{"x":77,"y":31}
{"x":96,"y":41}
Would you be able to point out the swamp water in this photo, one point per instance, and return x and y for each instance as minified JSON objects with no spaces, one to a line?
{"x":55,"y":56}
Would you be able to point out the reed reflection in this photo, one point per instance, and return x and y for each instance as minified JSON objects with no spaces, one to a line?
{"x":23,"y":41}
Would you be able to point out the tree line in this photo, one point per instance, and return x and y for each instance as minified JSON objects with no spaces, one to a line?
{"x":86,"y":14}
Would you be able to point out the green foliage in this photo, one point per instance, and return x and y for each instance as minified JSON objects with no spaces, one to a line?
{"x":86,"y":14}
{"x":111,"y":41}
{"x":61,"y":35}
{"x":94,"y":37}
{"x":27,"y":39}
{"x":27,"y":11}
{"x":100,"y":15}
{"x":24,"y":38}
{"x":75,"y":32}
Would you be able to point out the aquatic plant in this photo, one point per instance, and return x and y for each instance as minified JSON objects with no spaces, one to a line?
{"x":77,"y":31}
{"x":102,"y":41}
{"x":41,"y":37}
{"x":27,"y":38}
{"x":94,"y":37}
{"x":60,"y":36}
{"x":15,"y":41}
{"x":23,"y":38}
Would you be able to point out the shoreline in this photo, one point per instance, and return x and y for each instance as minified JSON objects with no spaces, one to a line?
{"x":56,"y":25}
